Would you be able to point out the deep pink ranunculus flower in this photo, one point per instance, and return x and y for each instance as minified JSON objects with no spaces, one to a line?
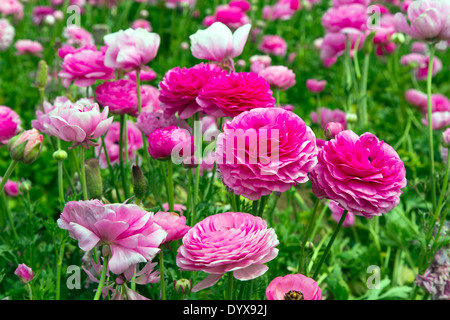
{"x":328,"y":115}
{"x":231,"y":16}
{"x":333,"y":45}
{"x":234,"y":93}
{"x":265,"y":150}
{"x":11,"y":188}
{"x":242,"y":4}
{"x":279,"y":77}
{"x":130,"y":232}
{"x":345,"y":17}
{"x":130,"y":49}
{"x":181,"y":86}
{"x":24,"y":273}
{"x":83,"y":68}
{"x":120,"y":96}
{"x":421,"y":63}
{"x":274,"y":45}
{"x":173,"y":224}
{"x":78,"y":122}
{"x":40,"y":13}
{"x":361,"y":173}
{"x":228,"y":242}
{"x":31,"y":47}
{"x":170,"y":142}
{"x":112,"y":143}
{"x":7,"y":33}
{"x":293,"y":287}
{"x":428,"y":18}
{"x":336,"y":214}
{"x":9,"y":124}
{"x":218,"y":43}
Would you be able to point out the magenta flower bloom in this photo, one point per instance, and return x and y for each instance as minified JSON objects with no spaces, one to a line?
{"x":79,"y":122}
{"x":241,"y":4}
{"x":112,"y":143}
{"x":120,"y":96}
{"x":234,"y":93}
{"x":24,"y":273}
{"x":279,"y":77}
{"x":280,"y":152}
{"x":282,"y":10}
{"x":7,"y":33}
{"x":129,"y":231}
{"x":328,"y":115}
{"x":336,"y":214}
{"x":40,"y":13}
{"x":130,"y":49}
{"x":333,"y":45}
{"x":181,"y":86}
{"x":315,"y":86}
{"x":231,"y":16}
{"x":77,"y":36}
{"x":228,"y":242}
{"x":9,"y":124}
{"x":83,"y":68}
{"x":217,"y":43}
{"x":332,"y":129}
{"x":170,"y":142}
{"x":274,"y":45}
{"x":364,"y":175}
{"x":428,"y":18}
{"x":293,"y":287}
{"x":173,"y":224}
{"x":353,"y":16}
{"x":33,"y":48}
{"x":11,"y":188}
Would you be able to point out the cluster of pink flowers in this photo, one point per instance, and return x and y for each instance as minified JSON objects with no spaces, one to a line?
{"x":12,"y":7}
{"x":274,"y":45}
{"x":420,"y":64}
{"x":440,"y":107}
{"x":281,"y":10}
{"x":328,"y":115}
{"x":233,"y":15}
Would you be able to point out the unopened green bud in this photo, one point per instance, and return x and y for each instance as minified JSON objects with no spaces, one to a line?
{"x":42,"y":75}
{"x":25,"y":186}
{"x":139,"y":185}
{"x":94,"y":182}
{"x":59,"y":155}
{"x":26,"y":146}
{"x":351,"y":117}
{"x":398,"y":38}
{"x":182,"y":286}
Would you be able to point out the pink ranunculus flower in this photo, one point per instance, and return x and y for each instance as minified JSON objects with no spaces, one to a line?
{"x":83,"y":68}
{"x":259,"y":62}
{"x":280,"y":151}
{"x":31,"y":47}
{"x":361,"y":173}
{"x":439,"y":120}
{"x":445,"y":138}
{"x":315,"y":86}
{"x":179,"y":208}
{"x":218,"y":43}
{"x":24,"y":273}
{"x":428,"y":18}
{"x":26,"y":146}
{"x":7,"y":33}
{"x":9,"y":124}
{"x":12,"y":7}
{"x":336,"y":214}
{"x":65,"y":49}
{"x":328,"y":115}
{"x":274,"y":45}
{"x":231,"y":16}
{"x":143,"y":24}
{"x":419,"y":99}
{"x":419,"y":47}
{"x":151,"y":95}
{"x":121,"y":96}
{"x":11,"y":188}
{"x":43,"y":116}
{"x":420,"y":63}
{"x":112,"y":143}
{"x":149,"y":121}
{"x":293,"y":287}
{"x":181,"y":86}
{"x":130,"y":232}
{"x":40,"y":13}
{"x":146,"y":74}
{"x":170,"y":142}
{"x":228,"y":242}
{"x":173,"y":224}
{"x":332,"y":129}
{"x":282,"y":10}
{"x":353,"y":16}
{"x":78,"y":122}
{"x":234,"y":93}
{"x":77,"y":36}
{"x":279,"y":77}
{"x":130,"y":49}
{"x":333,"y":45}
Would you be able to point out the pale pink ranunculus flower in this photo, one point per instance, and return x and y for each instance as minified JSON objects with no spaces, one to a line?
{"x":345,"y":17}
{"x":24,"y":273}
{"x":420,"y":63}
{"x":439,"y":102}
{"x":259,"y":62}
{"x":274,"y":45}
{"x":7,"y":33}
{"x":130,"y":49}
{"x":112,"y":138}
{"x":79,"y":122}
{"x":12,"y":7}
{"x":83,"y":68}
{"x":439,"y":120}
{"x":428,"y":20}
{"x":43,"y":116}
{"x":173,"y":224}
{"x":149,"y":121}
{"x":31,"y":47}
{"x":9,"y":124}
{"x":293,"y":287}
{"x":77,"y":36}
{"x":280,"y":152}
{"x":336,"y":214}
{"x":328,"y":115}
{"x":218,"y":43}
{"x":228,"y":242}
{"x":361,"y":173}
{"x":130,"y":232}
{"x":143,"y":24}
{"x":315,"y":85}
{"x":179,"y":208}
{"x":279,"y":77}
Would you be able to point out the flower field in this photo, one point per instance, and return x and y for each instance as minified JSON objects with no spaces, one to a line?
{"x":224,"y":150}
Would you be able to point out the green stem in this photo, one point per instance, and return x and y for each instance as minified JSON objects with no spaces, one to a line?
{"x":255,"y":204}
{"x":7,"y":174}
{"x":277,"y":93}
{"x":230,"y":286}
{"x":307,"y":235}
{"x":102,"y":279}
{"x":198,"y":154}
{"x":8,"y":214}
{"x":430,"y":125}
{"x":363,"y":113}
{"x":170,"y":185}
{"x":121,"y":159}
{"x":58,"y":270}
{"x":161,"y":274}
{"x":189,"y":197}
{"x":263,"y":203}
{"x":30,"y":292}
{"x":330,"y":244}
{"x":83,"y":174}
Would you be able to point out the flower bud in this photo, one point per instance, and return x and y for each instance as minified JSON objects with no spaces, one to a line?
{"x":60,"y":155}
{"x":139,"y":185}
{"x":26,"y":146}
{"x":182,"y":286}
{"x":106,"y":250}
{"x":25,"y":186}
{"x":398,"y":38}
{"x":351,"y":118}
{"x":41,"y":75}
{"x":446,"y":138}
{"x":94,"y":182}
{"x":332,"y":129}
{"x":24,"y":273}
